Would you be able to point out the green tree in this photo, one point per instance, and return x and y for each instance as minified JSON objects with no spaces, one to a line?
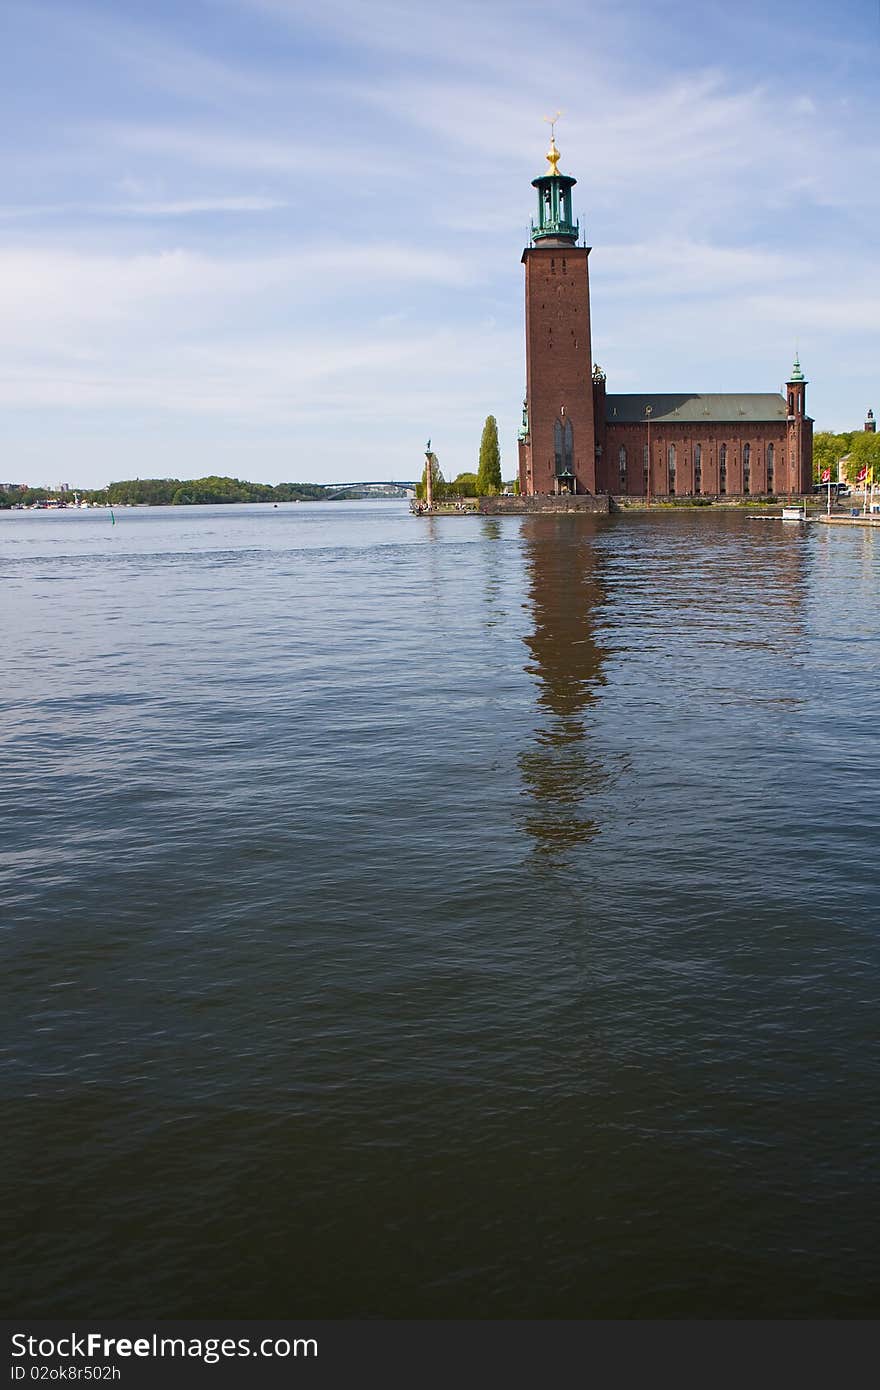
{"x":489,"y":471}
{"x":864,"y":453}
{"x":465,"y":485}
{"x":152,"y":492}
{"x":828,"y":449}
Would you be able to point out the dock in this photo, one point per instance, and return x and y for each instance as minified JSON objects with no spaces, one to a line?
{"x":872,"y":520}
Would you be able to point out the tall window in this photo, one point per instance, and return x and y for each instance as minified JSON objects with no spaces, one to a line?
{"x":771,"y":461}
{"x":698,"y":468}
{"x":621,"y":464}
{"x":563,"y":447}
{"x":645,"y":470}
{"x":722,"y":468}
{"x":670,"y":462}
{"x":791,"y":403}
{"x":747,"y":468}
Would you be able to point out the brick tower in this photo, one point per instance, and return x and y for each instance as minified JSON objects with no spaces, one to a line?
{"x":557,"y":442}
{"x":799,"y":430}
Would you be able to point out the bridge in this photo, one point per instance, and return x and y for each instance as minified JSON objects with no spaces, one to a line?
{"x":346,"y":487}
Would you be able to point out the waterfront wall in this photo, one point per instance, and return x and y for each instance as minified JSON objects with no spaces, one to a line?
{"x":544,"y":502}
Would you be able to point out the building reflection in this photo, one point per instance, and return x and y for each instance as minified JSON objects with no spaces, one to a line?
{"x":560,"y":769}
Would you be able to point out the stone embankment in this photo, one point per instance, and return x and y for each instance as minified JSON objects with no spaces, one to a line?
{"x":527,"y":506}
{"x":861,"y":520}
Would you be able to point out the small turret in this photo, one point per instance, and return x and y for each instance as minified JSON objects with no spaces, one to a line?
{"x":555,"y":225}
{"x":797,"y":390}
{"x":870,"y":423}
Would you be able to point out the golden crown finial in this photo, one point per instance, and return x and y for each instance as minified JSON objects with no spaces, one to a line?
{"x":553,"y":155}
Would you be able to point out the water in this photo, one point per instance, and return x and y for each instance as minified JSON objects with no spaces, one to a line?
{"x":444,"y":917}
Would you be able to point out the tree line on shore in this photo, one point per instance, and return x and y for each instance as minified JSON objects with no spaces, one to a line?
{"x":176,"y":492}
{"x":855,"y":451}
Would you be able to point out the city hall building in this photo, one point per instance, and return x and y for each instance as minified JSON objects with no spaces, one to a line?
{"x":577,"y":437}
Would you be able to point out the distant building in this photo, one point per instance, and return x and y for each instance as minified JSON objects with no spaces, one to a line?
{"x":870,"y":423}
{"x":578,"y":438}
{"x":13,"y":487}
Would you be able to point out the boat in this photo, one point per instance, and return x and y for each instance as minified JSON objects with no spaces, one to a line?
{"x":794,"y":513}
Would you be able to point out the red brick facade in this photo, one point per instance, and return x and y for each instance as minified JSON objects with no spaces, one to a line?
{"x":711,"y":460}
{"x":573,"y":441}
{"x":558,"y":365}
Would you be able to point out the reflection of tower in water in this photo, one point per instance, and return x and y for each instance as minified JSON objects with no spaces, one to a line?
{"x":565,"y":590}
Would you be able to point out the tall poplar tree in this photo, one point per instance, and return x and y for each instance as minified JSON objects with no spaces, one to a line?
{"x":489,"y":471}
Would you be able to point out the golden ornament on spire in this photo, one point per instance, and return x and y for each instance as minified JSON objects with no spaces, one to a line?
{"x":553,"y":155}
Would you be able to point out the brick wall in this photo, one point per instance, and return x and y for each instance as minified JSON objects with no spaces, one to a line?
{"x":711,"y":436}
{"x":558,"y":364}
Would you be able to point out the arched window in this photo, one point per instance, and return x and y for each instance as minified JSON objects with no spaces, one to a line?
{"x":771,"y":460}
{"x":791,"y":403}
{"x":621,"y":464}
{"x":563,"y":448}
{"x":670,"y":462}
{"x":747,"y":468}
{"x":698,"y":468}
{"x":722,"y":468}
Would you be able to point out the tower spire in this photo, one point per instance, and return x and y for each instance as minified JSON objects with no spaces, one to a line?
{"x":555,"y":225}
{"x":553,"y":155}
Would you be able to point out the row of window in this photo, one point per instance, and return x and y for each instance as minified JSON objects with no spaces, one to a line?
{"x":698,"y":467}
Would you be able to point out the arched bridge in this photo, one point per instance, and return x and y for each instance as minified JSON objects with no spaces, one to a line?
{"x":344,"y":487}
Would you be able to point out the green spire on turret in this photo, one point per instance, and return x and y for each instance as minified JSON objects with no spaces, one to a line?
{"x":796,"y":373}
{"x":555,"y":222}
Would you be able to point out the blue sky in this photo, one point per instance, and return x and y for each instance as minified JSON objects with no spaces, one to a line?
{"x":282,"y":240}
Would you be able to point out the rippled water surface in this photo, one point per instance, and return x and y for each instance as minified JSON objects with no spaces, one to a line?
{"x":467,"y":917}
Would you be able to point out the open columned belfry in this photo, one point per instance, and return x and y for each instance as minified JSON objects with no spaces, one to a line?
{"x":577,"y":437}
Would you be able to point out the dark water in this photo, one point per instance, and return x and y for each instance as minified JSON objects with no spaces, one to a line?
{"x":456,"y":917}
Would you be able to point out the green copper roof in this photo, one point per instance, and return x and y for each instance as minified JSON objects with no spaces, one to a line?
{"x":796,"y":373}
{"x":733,"y":408}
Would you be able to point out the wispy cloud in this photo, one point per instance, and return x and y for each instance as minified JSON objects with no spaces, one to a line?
{"x":215,"y":148}
{"x":188,"y":207}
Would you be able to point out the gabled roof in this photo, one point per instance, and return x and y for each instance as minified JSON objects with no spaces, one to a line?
{"x":732,"y":408}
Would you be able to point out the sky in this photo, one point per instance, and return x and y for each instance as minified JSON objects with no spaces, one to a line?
{"x":281,"y":240}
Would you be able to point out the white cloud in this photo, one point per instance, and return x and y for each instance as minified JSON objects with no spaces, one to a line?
{"x":213,"y":148}
{"x":46,"y":290}
{"x":187,"y":207}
